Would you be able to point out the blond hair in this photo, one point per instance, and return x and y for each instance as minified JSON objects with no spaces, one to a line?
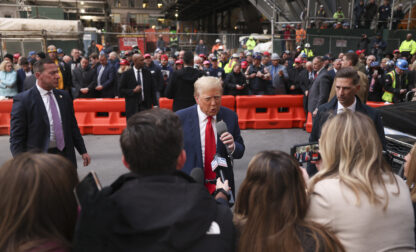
{"x":411,"y":173}
{"x":207,"y":83}
{"x":3,"y":65}
{"x":351,"y":150}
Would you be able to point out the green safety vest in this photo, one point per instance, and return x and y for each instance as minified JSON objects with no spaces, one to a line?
{"x":228,"y":68}
{"x":250,"y":44}
{"x":308,"y":52}
{"x":388,"y":96}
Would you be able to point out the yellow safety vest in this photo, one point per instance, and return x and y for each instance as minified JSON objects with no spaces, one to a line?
{"x":308,"y":52}
{"x":228,"y":68}
{"x":388,"y":96}
{"x":408,"y":46}
{"x":250,"y":44}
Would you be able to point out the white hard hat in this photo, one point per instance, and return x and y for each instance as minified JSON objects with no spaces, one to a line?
{"x":307,"y":45}
{"x":217,"y":41}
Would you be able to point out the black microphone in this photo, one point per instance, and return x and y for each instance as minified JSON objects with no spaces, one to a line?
{"x":221,"y":129}
{"x":198,"y":175}
{"x":217,"y":165}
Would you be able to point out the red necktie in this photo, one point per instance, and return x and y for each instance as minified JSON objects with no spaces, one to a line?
{"x":210,"y":150}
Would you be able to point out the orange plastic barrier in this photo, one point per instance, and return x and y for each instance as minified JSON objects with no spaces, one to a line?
{"x":270,"y":112}
{"x":309,"y":123}
{"x":226,"y":101}
{"x":377,"y":104}
{"x":5,"y":110}
{"x":165,"y":103}
{"x":90,"y":121}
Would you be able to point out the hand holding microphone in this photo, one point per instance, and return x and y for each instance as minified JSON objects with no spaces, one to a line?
{"x":225,"y":136}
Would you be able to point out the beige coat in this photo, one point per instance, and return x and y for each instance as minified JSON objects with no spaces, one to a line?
{"x":362,"y":93}
{"x":365,"y":228}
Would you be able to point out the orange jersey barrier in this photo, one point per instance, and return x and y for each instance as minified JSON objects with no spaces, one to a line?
{"x":270,"y":112}
{"x":228,"y":101}
{"x":100,"y":116}
{"x":309,"y":123}
{"x":5,"y":110}
{"x":377,"y":104}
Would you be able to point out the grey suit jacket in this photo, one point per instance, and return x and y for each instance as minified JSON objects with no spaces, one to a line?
{"x":319,"y":91}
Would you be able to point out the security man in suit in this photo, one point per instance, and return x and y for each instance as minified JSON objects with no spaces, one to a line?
{"x":347,"y":85}
{"x":42,"y":118}
{"x":137,"y":87}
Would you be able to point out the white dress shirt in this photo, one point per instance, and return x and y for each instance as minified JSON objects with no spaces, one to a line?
{"x":203,"y":118}
{"x":138,"y":74}
{"x":340,"y":108}
{"x":45,"y":99}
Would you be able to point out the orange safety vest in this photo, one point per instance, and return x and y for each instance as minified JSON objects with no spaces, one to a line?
{"x":300,"y":35}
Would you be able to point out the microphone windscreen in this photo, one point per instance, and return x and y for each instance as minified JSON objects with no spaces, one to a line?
{"x":198,"y":175}
{"x":221,"y":128}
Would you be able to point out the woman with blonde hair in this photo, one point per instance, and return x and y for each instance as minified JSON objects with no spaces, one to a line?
{"x":271,"y":207}
{"x":355,"y":194}
{"x":38,"y":208}
{"x":8,"y":77}
{"x":410,"y":174}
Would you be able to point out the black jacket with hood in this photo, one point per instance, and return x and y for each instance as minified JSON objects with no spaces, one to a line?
{"x":154,"y":213}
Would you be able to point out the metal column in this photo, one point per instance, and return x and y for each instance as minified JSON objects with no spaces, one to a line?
{"x":391,"y":17}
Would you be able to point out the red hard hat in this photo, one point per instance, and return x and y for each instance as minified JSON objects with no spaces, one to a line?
{"x":124,"y":62}
{"x":244,"y":64}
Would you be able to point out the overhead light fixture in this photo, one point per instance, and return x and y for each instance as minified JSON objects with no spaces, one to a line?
{"x":159,"y":4}
{"x":144,"y":4}
{"x":82,"y":10}
{"x":82,"y":2}
{"x":176,"y":15}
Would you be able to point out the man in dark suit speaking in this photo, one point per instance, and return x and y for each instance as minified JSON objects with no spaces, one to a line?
{"x":347,"y":85}
{"x":42,"y":118}
{"x":137,"y":87}
{"x":201,"y":142}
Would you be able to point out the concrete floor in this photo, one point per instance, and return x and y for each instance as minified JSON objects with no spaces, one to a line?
{"x":106,"y":154}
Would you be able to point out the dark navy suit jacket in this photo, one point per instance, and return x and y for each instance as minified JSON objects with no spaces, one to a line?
{"x":192,"y":139}
{"x":327,"y":110}
{"x":21,"y":76}
{"x":108,"y":80}
{"x":29,"y":125}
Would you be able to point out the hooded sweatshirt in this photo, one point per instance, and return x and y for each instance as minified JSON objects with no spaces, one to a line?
{"x":154,"y":213}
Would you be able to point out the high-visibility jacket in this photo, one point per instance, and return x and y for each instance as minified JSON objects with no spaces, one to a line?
{"x":250,"y":44}
{"x":408,"y":46}
{"x":228,"y":68}
{"x":300,"y":35}
{"x":173,"y":40}
{"x":308,"y":52}
{"x":339,"y":16}
{"x":388,"y":96}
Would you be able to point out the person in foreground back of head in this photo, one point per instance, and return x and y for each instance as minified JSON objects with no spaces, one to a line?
{"x":38,"y":206}
{"x":154,"y":207}
{"x":355,"y":193}
{"x":271,"y":207}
